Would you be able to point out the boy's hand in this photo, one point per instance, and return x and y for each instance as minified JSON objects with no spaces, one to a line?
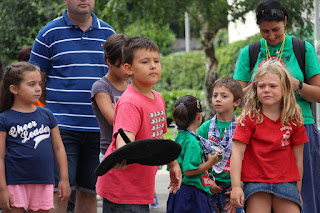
{"x":175,"y":178}
{"x":64,"y":190}
{"x":214,"y":188}
{"x":6,"y":202}
{"x":237,"y":197}
{"x":121,"y":165}
{"x":213,"y":159}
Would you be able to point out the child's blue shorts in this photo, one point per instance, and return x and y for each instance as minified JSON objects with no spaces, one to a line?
{"x":287,"y":191}
{"x":189,"y":199}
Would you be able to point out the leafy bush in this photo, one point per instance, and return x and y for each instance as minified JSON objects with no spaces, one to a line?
{"x":182,"y":71}
{"x":163,"y":40}
{"x":187,"y":70}
{"x":170,"y":98}
{"x":184,"y":74}
{"x":228,"y":55}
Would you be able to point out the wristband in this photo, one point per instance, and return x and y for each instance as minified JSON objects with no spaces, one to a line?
{"x":299,"y":87}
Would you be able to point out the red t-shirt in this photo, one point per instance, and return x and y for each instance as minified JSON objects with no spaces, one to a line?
{"x":269,"y":156}
{"x":145,"y":118}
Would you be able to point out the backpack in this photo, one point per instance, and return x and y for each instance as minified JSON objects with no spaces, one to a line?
{"x":299,"y":49}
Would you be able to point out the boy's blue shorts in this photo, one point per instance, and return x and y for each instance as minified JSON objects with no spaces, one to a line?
{"x":109,"y":206}
{"x":220,"y":202}
{"x":189,"y":199}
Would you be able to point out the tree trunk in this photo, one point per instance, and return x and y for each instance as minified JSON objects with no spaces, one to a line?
{"x":211,"y":65}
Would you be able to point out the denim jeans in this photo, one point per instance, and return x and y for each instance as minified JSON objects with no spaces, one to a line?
{"x":82,"y":150}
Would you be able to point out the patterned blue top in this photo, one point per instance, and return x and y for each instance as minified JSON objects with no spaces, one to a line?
{"x":73,"y":60}
{"x":29,"y":155}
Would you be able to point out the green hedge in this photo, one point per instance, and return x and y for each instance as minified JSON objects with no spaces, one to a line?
{"x":182,"y":71}
{"x":228,"y":55}
{"x":170,"y":98}
{"x":184,"y":74}
{"x":187,"y":70}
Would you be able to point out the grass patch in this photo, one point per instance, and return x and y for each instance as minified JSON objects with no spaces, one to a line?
{"x":169,"y":134}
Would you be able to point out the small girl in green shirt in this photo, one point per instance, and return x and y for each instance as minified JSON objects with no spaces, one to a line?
{"x":193,"y":195}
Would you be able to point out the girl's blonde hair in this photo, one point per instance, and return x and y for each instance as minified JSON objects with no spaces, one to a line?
{"x":290,"y":110}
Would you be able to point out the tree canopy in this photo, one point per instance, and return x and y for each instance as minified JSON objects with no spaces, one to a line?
{"x":209,"y":16}
{"x":22,"y":19}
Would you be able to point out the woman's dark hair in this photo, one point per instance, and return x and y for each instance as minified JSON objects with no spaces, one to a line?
{"x":113,"y":48}
{"x":13,"y":75}
{"x":270,"y":10}
{"x":186,"y":110}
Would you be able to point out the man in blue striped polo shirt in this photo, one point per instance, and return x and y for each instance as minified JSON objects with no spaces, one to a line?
{"x":69,"y":52}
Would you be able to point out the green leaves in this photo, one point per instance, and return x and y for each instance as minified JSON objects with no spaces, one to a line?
{"x":21,"y":21}
{"x":182,"y":71}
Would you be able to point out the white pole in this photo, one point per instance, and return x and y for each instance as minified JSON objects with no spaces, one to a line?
{"x":317,"y":48}
{"x":187,"y":31}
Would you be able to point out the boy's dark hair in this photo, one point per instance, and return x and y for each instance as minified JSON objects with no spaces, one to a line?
{"x":113,"y":48}
{"x":134,"y":44}
{"x":231,"y":84}
{"x":270,"y":10}
{"x":186,"y":110}
{"x":13,"y":75}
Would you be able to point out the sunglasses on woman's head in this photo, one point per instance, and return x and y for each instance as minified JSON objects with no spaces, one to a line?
{"x":269,"y":13}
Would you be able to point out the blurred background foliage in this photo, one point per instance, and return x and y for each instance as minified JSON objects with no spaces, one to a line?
{"x":163,"y":22}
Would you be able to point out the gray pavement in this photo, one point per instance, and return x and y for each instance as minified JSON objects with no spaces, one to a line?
{"x":162,"y":183}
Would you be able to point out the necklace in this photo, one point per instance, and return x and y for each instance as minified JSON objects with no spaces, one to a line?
{"x":279,"y":52}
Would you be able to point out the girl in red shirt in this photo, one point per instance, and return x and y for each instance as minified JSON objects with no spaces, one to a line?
{"x":267,"y":153}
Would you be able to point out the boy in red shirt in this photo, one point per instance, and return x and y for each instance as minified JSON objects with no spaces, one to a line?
{"x":140,"y":112}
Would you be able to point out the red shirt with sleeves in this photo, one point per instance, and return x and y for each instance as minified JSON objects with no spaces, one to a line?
{"x":269,"y":156}
{"x":145,"y":118}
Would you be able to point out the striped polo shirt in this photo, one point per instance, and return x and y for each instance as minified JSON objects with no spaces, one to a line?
{"x":73,"y":60}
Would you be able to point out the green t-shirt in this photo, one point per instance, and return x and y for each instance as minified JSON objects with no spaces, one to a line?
{"x":223,"y":177}
{"x":289,"y":60}
{"x":223,"y":126}
{"x":190,"y":158}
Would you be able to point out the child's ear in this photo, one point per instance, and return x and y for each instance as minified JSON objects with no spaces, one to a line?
{"x":108,"y":62}
{"x":128,"y":69}
{"x":200,"y":116}
{"x":237,"y":103}
{"x":13,"y":89}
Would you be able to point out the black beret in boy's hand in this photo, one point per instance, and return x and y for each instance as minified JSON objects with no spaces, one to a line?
{"x":152,"y":152}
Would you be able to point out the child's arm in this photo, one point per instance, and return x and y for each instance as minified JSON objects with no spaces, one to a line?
{"x":105,"y":105}
{"x":119,"y":140}
{"x":298,"y":155}
{"x":61,"y":159}
{"x":175,"y":176}
{"x":5,"y":197}
{"x":119,"y":143}
{"x":212,"y":159}
{"x":237,"y":196}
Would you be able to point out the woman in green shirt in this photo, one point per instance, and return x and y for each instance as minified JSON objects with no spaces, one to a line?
{"x":277,"y":47}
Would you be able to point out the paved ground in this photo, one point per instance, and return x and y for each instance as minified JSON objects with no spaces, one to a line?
{"x":162,"y":182}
